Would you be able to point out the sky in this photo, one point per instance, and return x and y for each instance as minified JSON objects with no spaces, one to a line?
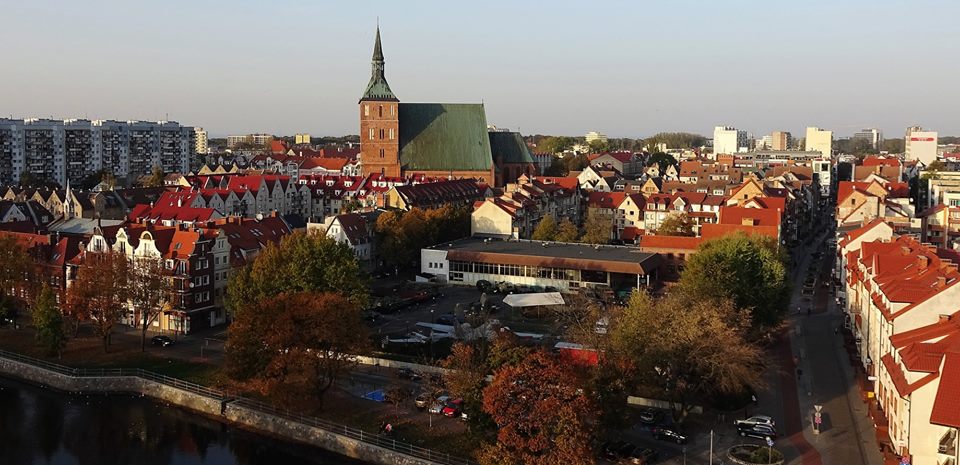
{"x":624,"y":68}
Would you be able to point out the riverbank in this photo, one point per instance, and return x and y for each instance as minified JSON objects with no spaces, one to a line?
{"x":340,"y":439}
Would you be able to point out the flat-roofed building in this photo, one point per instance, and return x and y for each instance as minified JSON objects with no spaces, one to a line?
{"x":565,"y":266}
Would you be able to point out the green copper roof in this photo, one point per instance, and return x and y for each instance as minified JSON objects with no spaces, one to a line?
{"x":377,"y":88}
{"x":509,"y":147}
{"x":444,"y":137}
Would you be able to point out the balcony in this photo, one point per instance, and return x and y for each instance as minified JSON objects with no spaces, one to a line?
{"x":948,"y":443}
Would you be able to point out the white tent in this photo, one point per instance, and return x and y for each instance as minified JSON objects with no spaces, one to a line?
{"x":533,"y":300}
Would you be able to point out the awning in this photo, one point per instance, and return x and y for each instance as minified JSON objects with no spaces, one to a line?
{"x":533,"y":300}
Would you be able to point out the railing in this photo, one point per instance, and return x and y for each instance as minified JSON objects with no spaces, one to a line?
{"x":262,"y":407}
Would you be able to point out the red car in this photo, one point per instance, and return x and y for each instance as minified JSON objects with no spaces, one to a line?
{"x":453,"y":408}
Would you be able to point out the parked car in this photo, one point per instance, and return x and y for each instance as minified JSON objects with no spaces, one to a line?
{"x":650,"y":416}
{"x":448,"y":319}
{"x":641,"y":456}
{"x":423,"y":400}
{"x":664,"y":433}
{"x":757,"y":430}
{"x":438,"y":404}
{"x":161,"y":341}
{"x":756,"y":420}
{"x":453,"y":408}
{"x":610,"y":449}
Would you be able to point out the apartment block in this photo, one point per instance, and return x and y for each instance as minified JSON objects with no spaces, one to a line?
{"x":71,"y":150}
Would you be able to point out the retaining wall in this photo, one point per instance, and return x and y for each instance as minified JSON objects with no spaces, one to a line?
{"x":352,"y":443}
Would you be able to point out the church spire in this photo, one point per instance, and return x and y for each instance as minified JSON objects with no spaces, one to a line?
{"x":377,"y":88}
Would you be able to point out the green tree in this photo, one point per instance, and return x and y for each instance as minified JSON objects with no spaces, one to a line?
{"x":663,"y":160}
{"x":597,"y":229}
{"x":599,"y":146}
{"x":28,"y":179}
{"x":892,"y":145}
{"x":675,"y":140}
{"x":302,"y":262}
{"x":554,"y":145}
{"x":49,"y":322}
{"x":400,"y":235}
{"x":690,"y":348}
{"x":749,"y":270}
{"x":576,"y":162}
{"x":567,"y":231}
{"x":676,"y":224}
{"x":546,"y":230}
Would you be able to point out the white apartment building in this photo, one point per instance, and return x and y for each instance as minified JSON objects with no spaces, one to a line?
{"x":920,"y":145}
{"x":729,"y":140}
{"x":819,"y":140}
{"x":824,"y":171}
{"x":872,"y":135}
{"x":71,"y":150}
{"x":594,"y":135}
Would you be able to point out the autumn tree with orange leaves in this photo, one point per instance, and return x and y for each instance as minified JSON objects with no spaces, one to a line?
{"x":544,"y":415}
{"x":100,"y":292}
{"x":304,"y":342}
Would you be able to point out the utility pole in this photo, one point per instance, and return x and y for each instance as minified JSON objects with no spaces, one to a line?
{"x":711,"y":447}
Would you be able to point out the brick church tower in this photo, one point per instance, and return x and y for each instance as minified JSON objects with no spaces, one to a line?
{"x":379,"y":122}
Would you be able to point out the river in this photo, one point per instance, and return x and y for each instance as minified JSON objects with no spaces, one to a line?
{"x":38,"y":426}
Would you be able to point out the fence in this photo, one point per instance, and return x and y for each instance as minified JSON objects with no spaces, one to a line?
{"x":257,"y":406}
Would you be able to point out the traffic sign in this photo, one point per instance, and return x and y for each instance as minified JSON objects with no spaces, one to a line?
{"x":904,"y":460}
{"x":817,"y":419}
{"x":769,"y":442}
{"x":818,"y":408}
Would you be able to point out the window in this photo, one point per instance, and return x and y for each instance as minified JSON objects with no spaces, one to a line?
{"x":393,"y":110}
{"x":381,"y":111}
{"x":366,"y":110}
{"x":381,"y":133}
{"x":371,"y":133}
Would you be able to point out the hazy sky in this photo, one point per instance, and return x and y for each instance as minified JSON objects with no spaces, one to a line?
{"x":628,"y":69}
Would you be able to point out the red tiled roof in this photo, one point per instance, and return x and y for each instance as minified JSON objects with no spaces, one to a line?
{"x":856,"y":233}
{"x":946,"y":406}
{"x":631,"y":233}
{"x":670,"y":242}
{"x":760,"y":216}
{"x":605,"y":199}
{"x":877,"y":161}
{"x":714,"y":231}
{"x":904,"y":387}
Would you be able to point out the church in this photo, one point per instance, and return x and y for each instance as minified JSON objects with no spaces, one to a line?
{"x":434,"y":139}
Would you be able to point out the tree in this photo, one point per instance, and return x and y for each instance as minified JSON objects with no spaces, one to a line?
{"x":109,"y":180}
{"x":892,"y":145}
{"x":675,"y":140}
{"x":28,"y":179}
{"x":576,"y":162}
{"x":662,"y":160}
{"x":300,"y":343}
{"x":597,"y":229}
{"x":554,"y":145}
{"x":306,"y":263}
{"x":749,"y":270}
{"x":149,"y":293}
{"x":567,"y":231}
{"x":689,"y":346}
{"x":100,"y":292}
{"x":400,"y":235}
{"x":49,"y":322}
{"x":311,"y":263}
{"x":599,"y":146}
{"x":543,"y":413}
{"x":676,"y":224}
{"x":546,"y":230}
{"x":156,"y":177}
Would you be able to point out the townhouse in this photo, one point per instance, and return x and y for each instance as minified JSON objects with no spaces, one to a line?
{"x":859,"y":202}
{"x":900,"y":305}
{"x":519,"y":210}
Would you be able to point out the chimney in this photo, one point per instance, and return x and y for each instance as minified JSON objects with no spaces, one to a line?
{"x":944,"y":318}
{"x":941,"y":282}
{"x":922,"y":261}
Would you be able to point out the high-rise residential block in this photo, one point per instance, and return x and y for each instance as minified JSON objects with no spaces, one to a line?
{"x":781,"y":140}
{"x":729,"y":140}
{"x":872,"y":135}
{"x":202,"y":145}
{"x":71,"y":150}
{"x":819,"y":140}
{"x":920,"y":145}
